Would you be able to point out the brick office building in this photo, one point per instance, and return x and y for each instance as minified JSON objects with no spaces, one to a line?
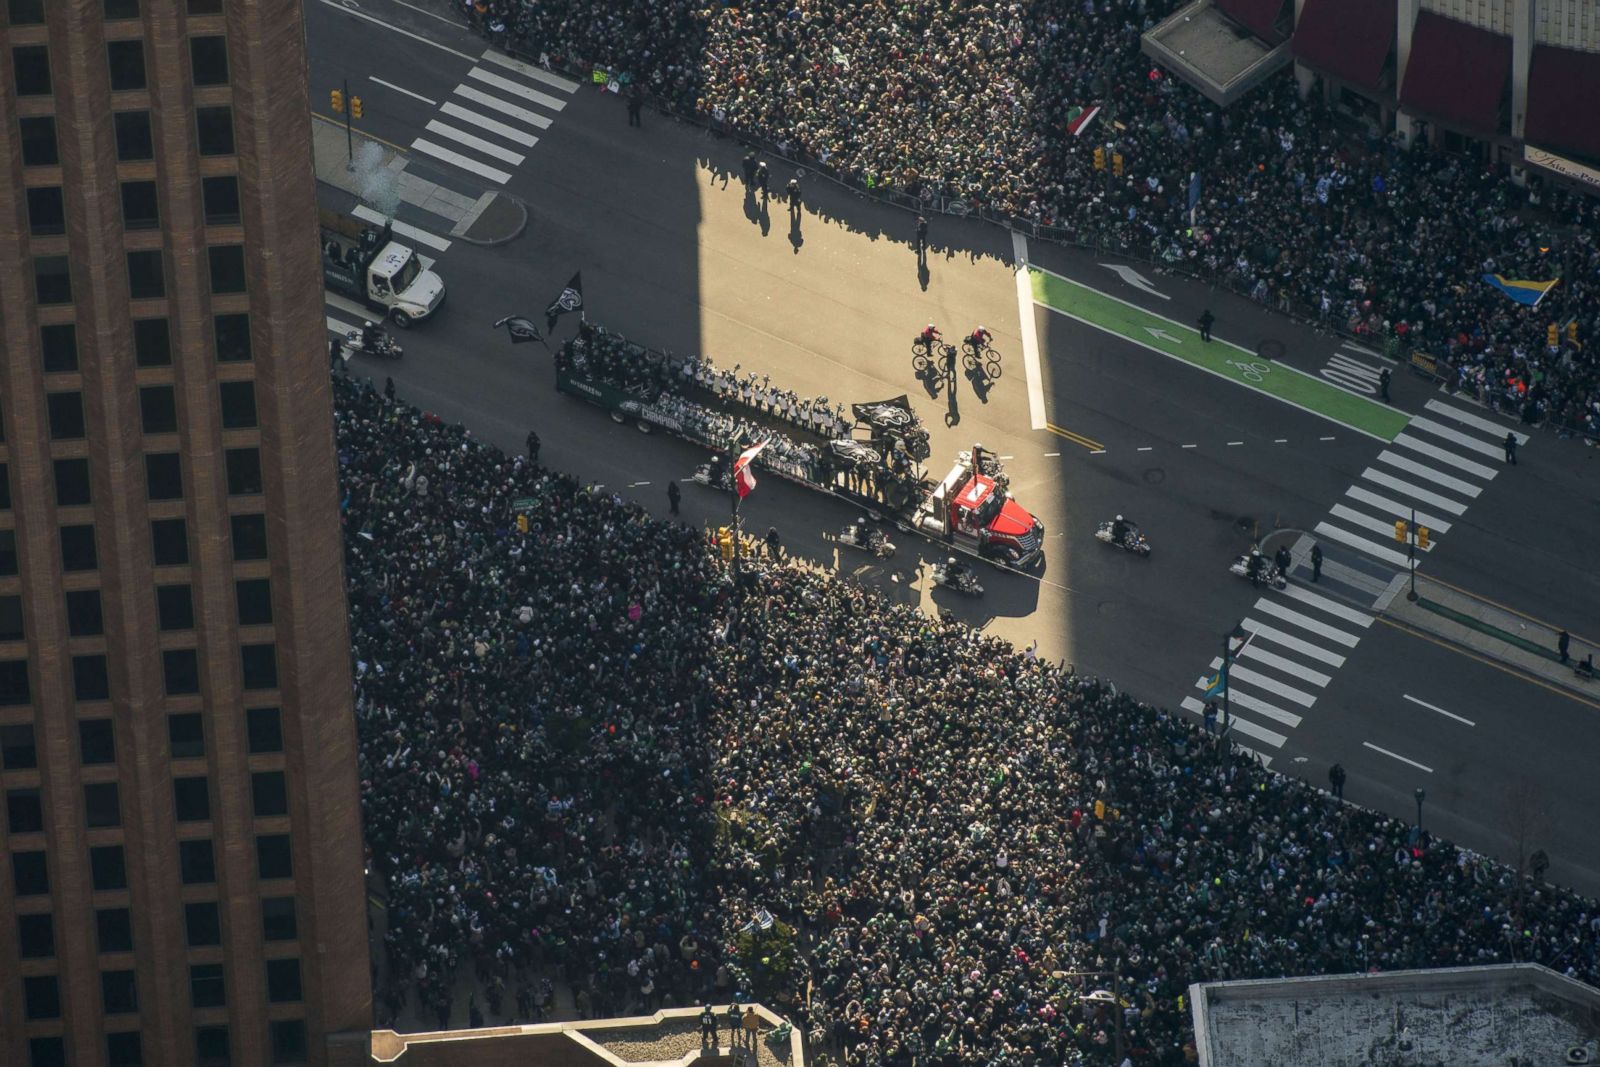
{"x":180,"y":851}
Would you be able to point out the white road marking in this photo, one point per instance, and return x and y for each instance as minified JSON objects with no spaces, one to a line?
{"x":1401,"y":486}
{"x":527,"y":70}
{"x":398,"y":89}
{"x":1236,"y":724}
{"x":1466,"y":418}
{"x":346,"y":305}
{"x":1495,"y":450}
{"x":1280,"y":440}
{"x":1097,"y":452}
{"x":1262,"y":758}
{"x":1363,"y":544}
{"x":1289,"y":641}
{"x":1422,"y":470}
{"x":1030,"y":331}
{"x":1052,"y":453}
{"x":1366,"y":522}
{"x":1397,"y":509}
{"x":1441,"y":711}
{"x":471,"y":166}
{"x":510,"y":133}
{"x":477,"y":144}
{"x":422,"y":237}
{"x":340,"y":328}
{"x":1191,"y":446}
{"x":1447,"y":457}
{"x":1135,"y":279}
{"x":1286,"y":665}
{"x":1237,"y":699}
{"x":1236,"y":673}
{"x":509,"y":86}
{"x":1146,"y":448}
{"x":521,"y":114}
{"x":1232,"y":444}
{"x":1324,"y":438}
{"x":1306,"y":622}
{"x":1332,"y":607}
{"x":1396,"y":755}
{"x":396,"y":29}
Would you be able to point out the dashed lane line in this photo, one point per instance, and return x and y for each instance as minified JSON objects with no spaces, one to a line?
{"x":1441,"y":711}
{"x":1396,"y":755}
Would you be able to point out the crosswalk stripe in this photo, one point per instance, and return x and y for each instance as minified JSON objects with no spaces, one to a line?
{"x":422,"y":237}
{"x":1293,"y":643}
{"x":1288,"y":666}
{"x":521,"y":114}
{"x":345,"y":304}
{"x":1306,"y":622}
{"x":1332,"y":607}
{"x":1467,"y":418}
{"x":474,"y":142}
{"x":1422,"y":470}
{"x":1260,"y":757}
{"x":1495,"y":450}
{"x":1397,"y":509}
{"x":1363,"y":544}
{"x":1447,"y":457}
{"x":528,"y":70}
{"x":1237,"y":699}
{"x":509,"y":86}
{"x":1236,"y":673}
{"x":1400,"y":485}
{"x":1366,"y":522}
{"x":340,"y":328}
{"x":510,"y":133}
{"x":471,"y":166}
{"x":1238,"y":725}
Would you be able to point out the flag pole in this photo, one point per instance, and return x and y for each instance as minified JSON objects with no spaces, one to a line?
{"x":734,"y":478}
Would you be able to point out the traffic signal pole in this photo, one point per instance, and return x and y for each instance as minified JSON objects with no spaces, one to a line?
{"x":349,"y":138}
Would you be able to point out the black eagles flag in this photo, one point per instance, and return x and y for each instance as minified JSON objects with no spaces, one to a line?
{"x":571,"y":299}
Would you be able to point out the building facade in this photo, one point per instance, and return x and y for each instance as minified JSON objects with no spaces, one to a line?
{"x":180,"y":852}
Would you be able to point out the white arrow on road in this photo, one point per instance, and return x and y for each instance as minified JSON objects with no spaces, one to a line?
{"x":1162,"y":335}
{"x":1135,"y":279}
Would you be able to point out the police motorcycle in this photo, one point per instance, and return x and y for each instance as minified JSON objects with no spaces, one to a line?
{"x":1125,"y":534}
{"x":954,"y":574}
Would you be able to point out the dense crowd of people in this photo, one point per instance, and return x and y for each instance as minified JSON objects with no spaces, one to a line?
{"x":972,"y":100}
{"x":589,"y":751}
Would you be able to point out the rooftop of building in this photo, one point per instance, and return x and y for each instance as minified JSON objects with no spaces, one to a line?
{"x":1211,"y":52}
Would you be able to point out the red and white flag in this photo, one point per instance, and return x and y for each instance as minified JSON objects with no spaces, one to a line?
{"x":744,"y":477}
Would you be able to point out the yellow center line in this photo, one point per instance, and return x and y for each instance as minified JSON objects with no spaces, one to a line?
{"x":1075,"y":438}
{"x":1503,"y":668}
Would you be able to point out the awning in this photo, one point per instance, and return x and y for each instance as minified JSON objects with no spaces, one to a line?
{"x":1260,"y":17}
{"x":1457,"y":73}
{"x":1349,"y":39}
{"x":1563,"y":113}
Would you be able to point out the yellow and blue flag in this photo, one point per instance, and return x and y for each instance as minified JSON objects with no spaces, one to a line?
{"x":1216,"y":684}
{"x":1521,"y":290}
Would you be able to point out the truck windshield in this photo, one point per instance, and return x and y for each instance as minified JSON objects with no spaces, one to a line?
{"x":406,"y":275}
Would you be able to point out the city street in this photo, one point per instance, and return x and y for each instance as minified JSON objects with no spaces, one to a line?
{"x":1208,"y":445}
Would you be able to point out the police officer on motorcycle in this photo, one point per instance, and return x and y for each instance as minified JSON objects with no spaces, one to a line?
{"x":371,"y":337}
{"x":1122,"y":530}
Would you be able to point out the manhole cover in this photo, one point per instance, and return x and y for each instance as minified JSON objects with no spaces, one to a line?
{"x":1155,"y":475}
{"x":1244,"y":524}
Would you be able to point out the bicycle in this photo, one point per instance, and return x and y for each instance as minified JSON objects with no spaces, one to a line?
{"x":922,"y":355}
{"x":987,"y":355}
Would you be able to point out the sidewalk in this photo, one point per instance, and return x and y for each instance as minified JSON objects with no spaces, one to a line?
{"x":1491,"y":630}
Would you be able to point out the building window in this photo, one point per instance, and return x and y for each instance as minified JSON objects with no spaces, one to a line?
{"x":233,"y":337}
{"x":84,"y":617}
{"x":209,"y":57}
{"x":18,"y":752}
{"x":227,"y":268}
{"x":244,"y":471}
{"x":11,"y":618}
{"x":269,"y":794}
{"x":8,"y":538}
{"x":187,"y":735}
{"x":119,"y":992}
{"x":134,"y":140}
{"x":249,"y":536}
{"x":10,"y":547}
{"x":47,"y":211}
{"x":163,"y":475}
{"x":126,"y":59}
{"x":52,"y":280}
{"x":175,"y":607}
{"x":77,"y":548}
{"x":205,"y":985}
{"x":288,"y":1041}
{"x":41,"y":997}
{"x":108,"y":870}
{"x":66,"y":415}
{"x":122,"y":9}
{"x":101,"y":807}
{"x":39,"y":141}
{"x":152,"y":343}
{"x":30,"y":874}
{"x":124,"y":1050}
{"x":72,"y":482}
{"x":158,"y":409}
{"x":47,"y":1052}
{"x":36,"y":936}
{"x":202,"y":922}
{"x":221,"y":196}
{"x":238,"y":405}
{"x":192,"y":798}
{"x":114,"y":930}
{"x":265,"y":728}
{"x":90,"y":681}
{"x":277,"y":919}
{"x":211,"y":1046}
{"x":58,"y":348}
{"x":283,"y":981}
{"x":205,"y":7}
{"x":31,"y":64}
{"x":197,"y":865}
{"x":141,"y":208}
{"x":96,"y":742}
{"x":169,"y":540}
{"x":215,"y":127}
{"x":260,"y":666}
{"x":254,"y":598}
{"x":272,"y":856}
{"x":25,"y":12}
{"x":24,"y":811}
{"x":180,"y":669}
{"x":146,"y":281}
{"x":14,"y":688}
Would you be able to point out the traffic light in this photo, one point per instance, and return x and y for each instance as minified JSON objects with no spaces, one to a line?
{"x":1552,"y":336}
{"x":1400,"y":530}
{"x":522,"y":524}
{"x":725,"y":542}
{"x":355,"y":107}
{"x":1099,"y":159}
{"x":1116,"y":164}
{"x":1572,"y":333}
{"x":1422,"y":537}
{"x":338,"y":100}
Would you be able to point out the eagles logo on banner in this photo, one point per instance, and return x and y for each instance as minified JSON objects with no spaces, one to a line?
{"x":521,"y":329}
{"x":571,"y":299}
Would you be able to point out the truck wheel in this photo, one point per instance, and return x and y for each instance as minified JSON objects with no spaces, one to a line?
{"x":402,"y":321}
{"x":644,"y":427}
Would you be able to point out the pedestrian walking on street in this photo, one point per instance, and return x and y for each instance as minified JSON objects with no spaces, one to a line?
{"x":762,"y":175}
{"x":635,"y":105}
{"x":1211,"y":717}
{"x":1383,"y":384}
{"x":1206,"y":319}
{"x":1564,"y":645}
{"x":674,"y":494}
{"x":1511,"y":448}
{"x":533,"y":446}
{"x":1316,"y":563}
{"x":922,"y":236}
{"x":793,"y":193}
{"x":1336,"y":779}
{"x":749,"y":165}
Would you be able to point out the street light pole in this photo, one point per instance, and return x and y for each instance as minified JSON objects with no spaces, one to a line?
{"x":1420,"y":795}
{"x":1411,"y":554}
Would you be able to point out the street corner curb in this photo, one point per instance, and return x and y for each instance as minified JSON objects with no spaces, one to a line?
{"x":519,"y":210}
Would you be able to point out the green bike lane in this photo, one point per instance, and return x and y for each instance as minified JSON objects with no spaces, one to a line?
{"x":1182,"y":342}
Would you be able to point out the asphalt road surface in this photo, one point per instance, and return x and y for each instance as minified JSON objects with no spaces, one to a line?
{"x":1208,"y":445}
